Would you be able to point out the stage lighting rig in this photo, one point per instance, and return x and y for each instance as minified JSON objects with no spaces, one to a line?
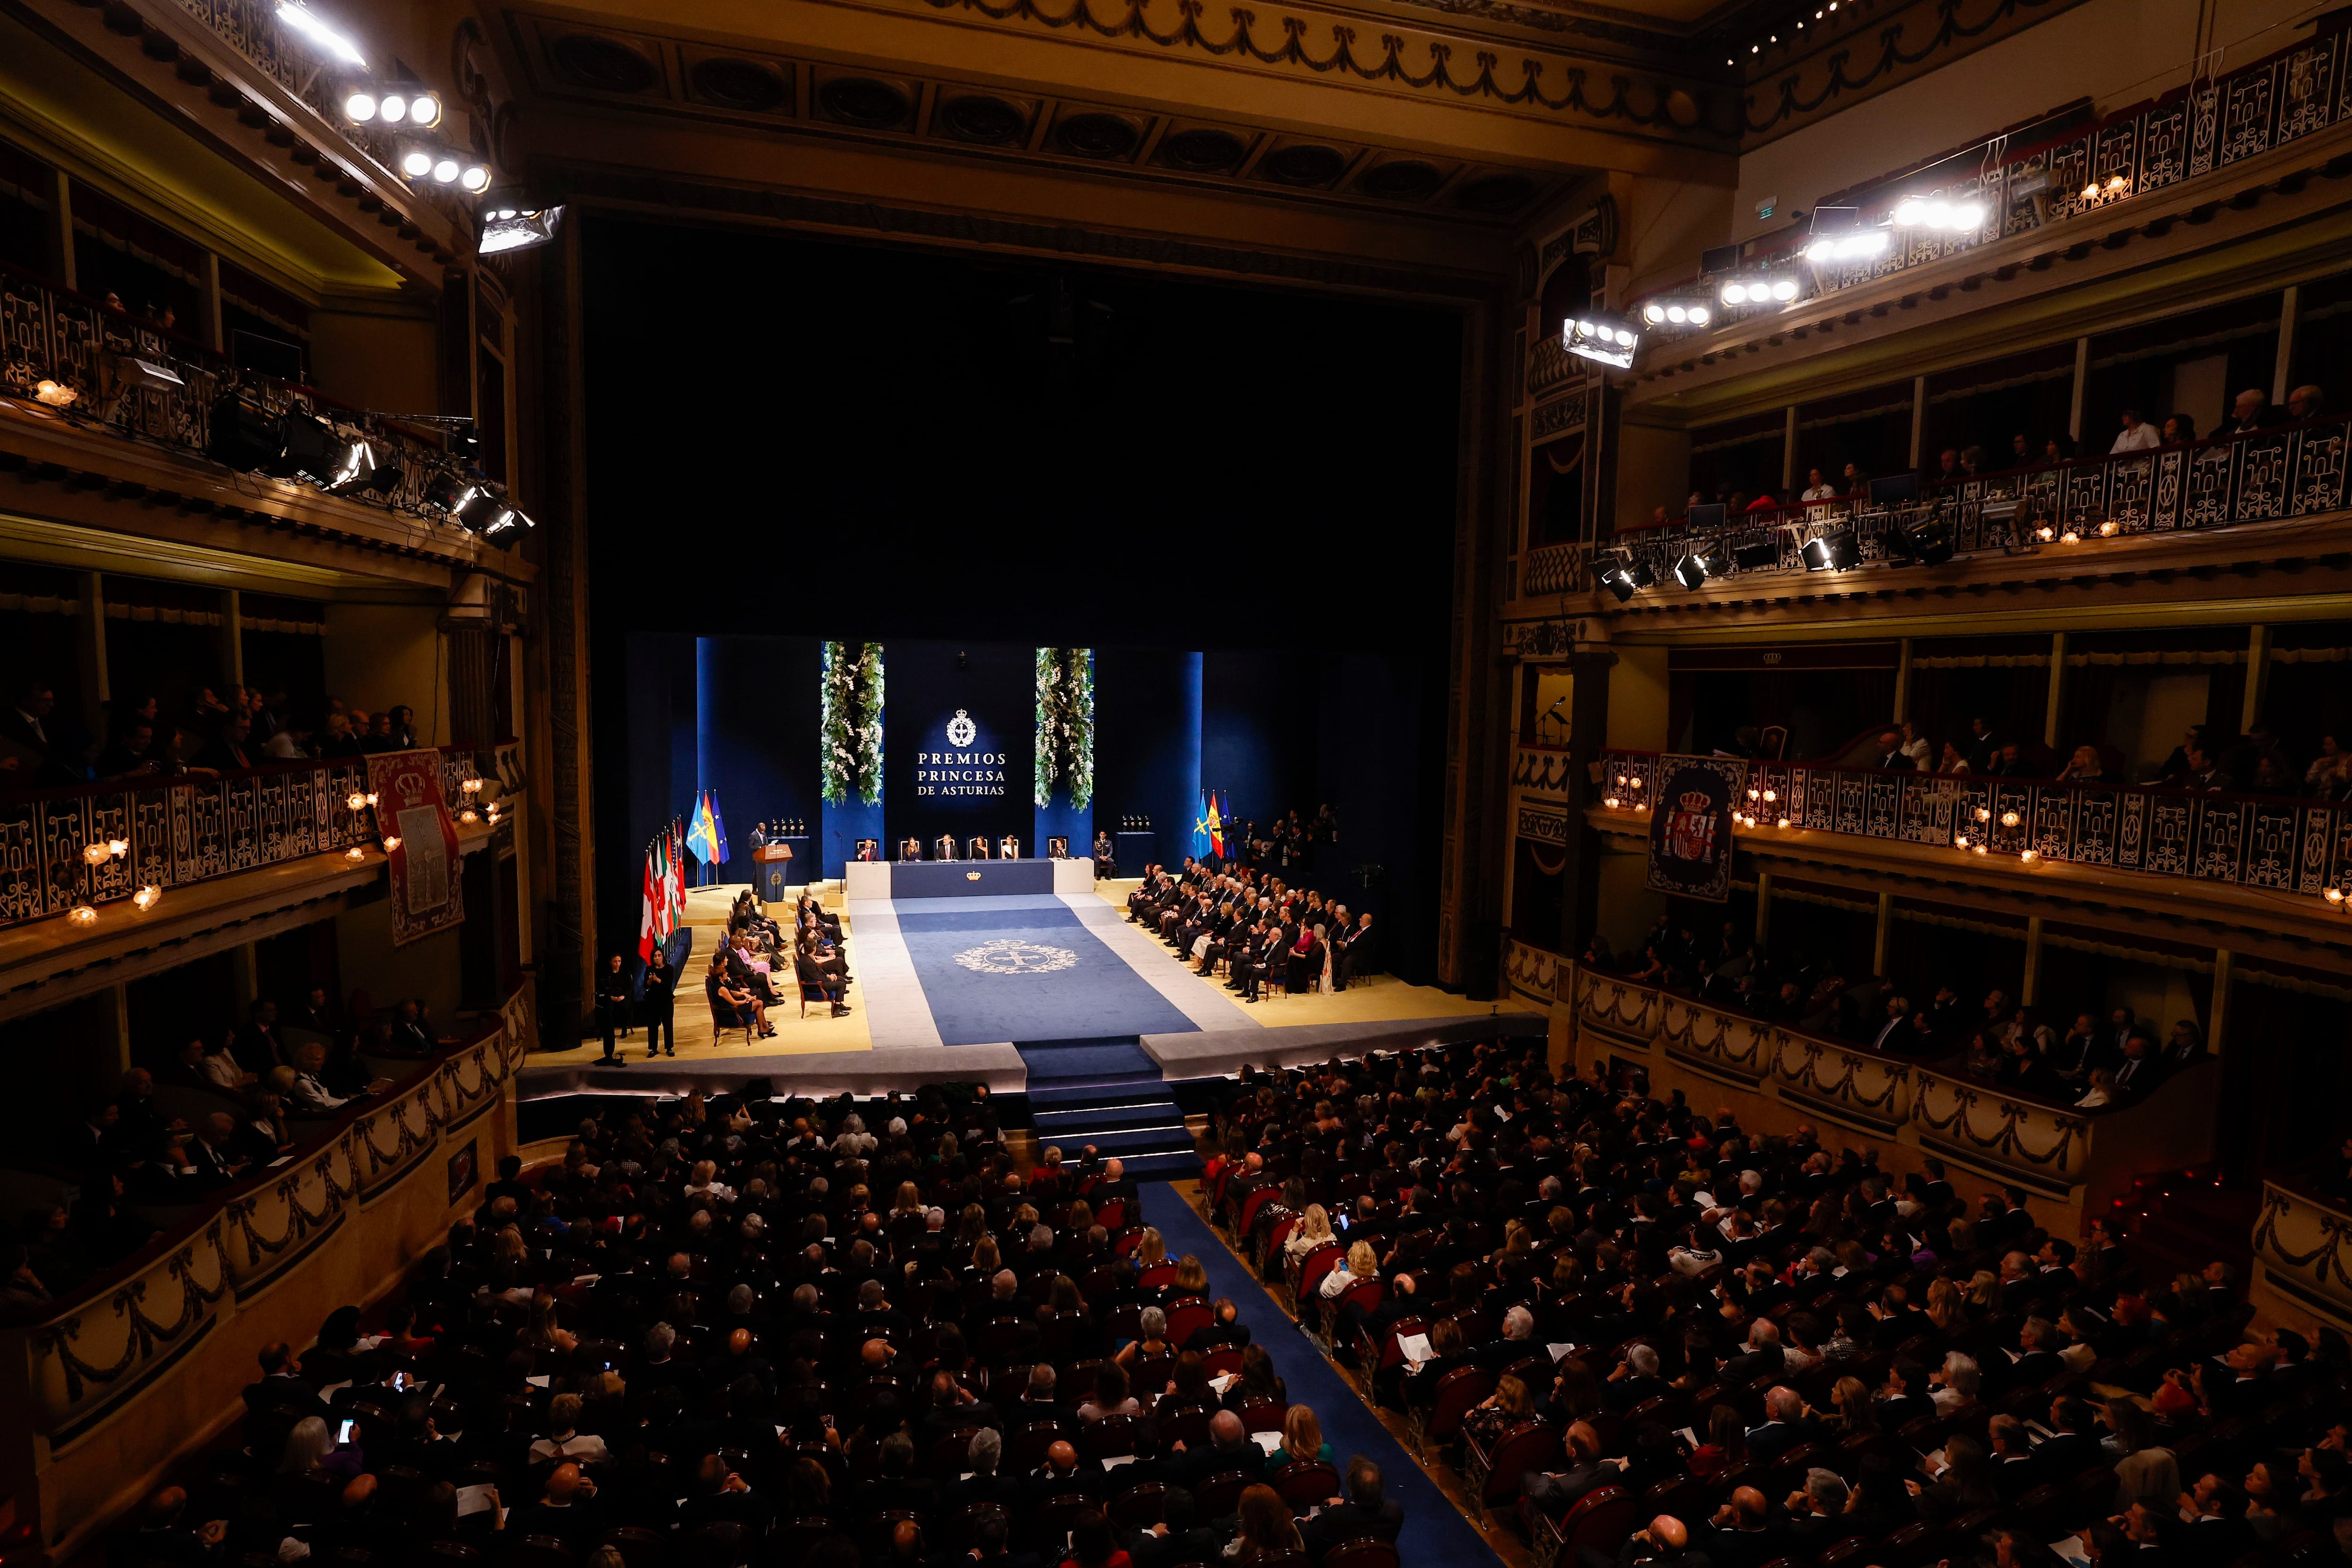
{"x":1839,"y":550}
{"x":330,"y":40}
{"x":1668,"y":313}
{"x":517,"y":228}
{"x":425,"y":162}
{"x":1926,"y":542}
{"x":1625,"y":574}
{"x":1693,"y":570}
{"x":391,"y":104}
{"x":1605,"y":340}
{"x":1940,"y":214}
{"x":1753,"y":288}
{"x":1839,"y":235}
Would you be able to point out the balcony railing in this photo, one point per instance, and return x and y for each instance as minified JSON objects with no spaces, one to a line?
{"x":2190,"y":131}
{"x":2051,"y":1146}
{"x":51,"y":334}
{"x":97,"y":1348}
{"x":2263,"y":476}
{"x":2267,"y":842}
{"x":1553,"y":368}
{"x":1540,"y":768}
{"x":183,"y":831}
{"x":2300,"y":1242}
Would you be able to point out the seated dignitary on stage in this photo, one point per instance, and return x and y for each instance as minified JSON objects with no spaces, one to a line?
{"x":1008,"y":848}
{"x":910,"y":849}
{"x":977,"y":849}
{"x":1106,"y":856}
{"x":1057,"y":848}
{"x":945,"y":849}
{"x":870,"y":849}
{"x":816,"y":973}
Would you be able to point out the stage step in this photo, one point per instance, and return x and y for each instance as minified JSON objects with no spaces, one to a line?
{"x":1139,"y":1140}
{"x":1171,"y":1167}
{"x":1061,"y":1096}
{"x":1107,"y":1118}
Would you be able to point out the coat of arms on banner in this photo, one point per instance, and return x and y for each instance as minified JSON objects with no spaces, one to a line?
{"x":1690,"y":827}
{"x":428,"y":894}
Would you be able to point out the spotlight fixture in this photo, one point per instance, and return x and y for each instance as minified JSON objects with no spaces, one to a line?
{"x":138,"y":373}
{"x":1603,"y":340}
{"x":1938,"y":214}
{"x":313,"y":448}
{"x":416,"y":162}
{"x":1697,"y":567}
{"x":1927,"y":542}
{"x":1625,"y":574}
{"x":1836,"y":550}
{"x":331,"y":40}
{"x":1860,"y":245}
{"x":1759,"y":288}
{"x":1670,"y":311}
{"x":480,"y":511}
{"x":513,"y":228}
{"x":392,"y":106}
{"x":243,"y":435}
{"x":504,"y":529}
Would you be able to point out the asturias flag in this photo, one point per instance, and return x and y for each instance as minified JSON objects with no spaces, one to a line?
{"x":700,"y":837}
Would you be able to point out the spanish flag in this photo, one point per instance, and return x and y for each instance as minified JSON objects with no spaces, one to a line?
{"x":1213,"y":825}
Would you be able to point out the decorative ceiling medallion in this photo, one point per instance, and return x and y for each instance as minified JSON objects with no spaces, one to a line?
{"x":739,"y":84}
{"x":864,"y":101}
{"x":1304,"y":163}
{"x":976,"y":116}
{"x":605,"y":64}
{"x":1097,"y":135}
{"x":1203,"y":150}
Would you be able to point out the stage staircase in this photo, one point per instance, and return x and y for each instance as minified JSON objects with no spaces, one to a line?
{"x":1107,"y":1092}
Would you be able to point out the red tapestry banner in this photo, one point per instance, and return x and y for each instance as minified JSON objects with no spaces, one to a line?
{"x":426,"y":895}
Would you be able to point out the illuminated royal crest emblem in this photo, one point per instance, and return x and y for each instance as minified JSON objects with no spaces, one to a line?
{"x":960,"y":729}
{"x":1007,"y":956}
{"x":1690,"y":829}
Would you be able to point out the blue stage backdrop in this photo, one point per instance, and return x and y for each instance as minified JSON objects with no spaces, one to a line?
{"x":960,"y":752}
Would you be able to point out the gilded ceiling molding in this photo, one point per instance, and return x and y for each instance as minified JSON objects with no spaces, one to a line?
{"x":1841,"y":74}
{"x":1656,"y":105}
{"x":668,"y":192}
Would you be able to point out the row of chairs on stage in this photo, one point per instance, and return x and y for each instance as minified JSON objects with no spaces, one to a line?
{"x":975,"y":848}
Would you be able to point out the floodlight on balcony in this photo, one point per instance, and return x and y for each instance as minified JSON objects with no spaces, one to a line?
{"x":511,"y":228}
{"x":330,"y":40}
{"x":1603,"y":340}
{"x":1936,"y":213}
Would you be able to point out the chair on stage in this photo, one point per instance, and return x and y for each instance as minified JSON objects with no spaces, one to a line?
{"x":870,"y":850}
{"x":1008,"y":848}
{"x":910,"y":849}
{"x":977,"y":849}
{"x":945,"y":849}
{"x":1057,"y":848}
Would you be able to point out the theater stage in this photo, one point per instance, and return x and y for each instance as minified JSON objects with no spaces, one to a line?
{"x":956,"y":988}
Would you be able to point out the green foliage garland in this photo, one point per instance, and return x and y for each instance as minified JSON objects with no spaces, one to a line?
{"x":852,"y":723}
{"x":1065,"y":725}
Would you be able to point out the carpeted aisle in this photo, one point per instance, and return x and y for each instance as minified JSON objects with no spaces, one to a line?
{"x":1434,"y":1531}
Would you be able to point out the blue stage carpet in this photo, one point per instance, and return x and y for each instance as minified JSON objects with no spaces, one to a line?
{"x":1435,"y":1529}
{"x":1029,"y":970}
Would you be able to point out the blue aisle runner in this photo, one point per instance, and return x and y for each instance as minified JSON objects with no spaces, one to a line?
{"x":1434,"y":1531}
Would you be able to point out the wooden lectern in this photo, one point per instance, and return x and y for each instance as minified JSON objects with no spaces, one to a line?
{"x":774,"y":864}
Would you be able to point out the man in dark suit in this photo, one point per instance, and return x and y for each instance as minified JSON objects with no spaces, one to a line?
{"x":1905,"y":1397}
{"x":1560,"y":1490}
{"x":1743,"y":1534}
{"x":1636,"y":1379}
{"x":1785,"y":1427}
{"x":27,"y":721}
{"x":1888,"y":752}
{"x":944,"y":850}
{"x":1352,"y":952}
{"x":2014,"y":1473}
{"x":1761,"y":1356}
{"x":256,"y":1045}
{"x":813,"y":975}
{"x":1063,"y":1474}
{"x":1230,"y":1447}
{"x":2218,"y":1534}
{"x":2074,"y":1449}
{"x":1179,"y":1537}
{"x":282,"y":1387}
{"x":1367,"y":1514}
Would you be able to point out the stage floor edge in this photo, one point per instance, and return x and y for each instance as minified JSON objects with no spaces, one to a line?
{"x":1205,"y":1054}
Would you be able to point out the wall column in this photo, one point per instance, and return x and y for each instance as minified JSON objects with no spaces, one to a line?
{"x":1903,"y":650}
{"x":243,"y":976}
{"x":209,"y":324}
{"x":1918,"y":424}
{"x":1763,"y":907}
{"x":232,"y":636}
{"x":2057,"y":688}
{"x":1588,"y":733}
{"x":2082,"y":374}
{"x":2216,"y":1018}
{"x":89,"y":650}
{"x":1789,"y":453}
{"x":2283,"y":367}
{"x":113,"y":1038}
{"x":62,"y":240}
{"x":2033,"y":959}
{"x":2258,"y":675}
{"x":1885,"y":931}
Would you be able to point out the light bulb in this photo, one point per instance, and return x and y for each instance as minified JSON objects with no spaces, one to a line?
{"x":147,"y":897}
{"x":2108,"y":529}
{"x":371,"y":798}
{"x":118,"y":848}
{"x":425,"y":111}
{"x":417,"y":164}
{"x":1751,"y":794}
{"x":2069,"y":537}
{"x":95,"y":854}
{"x":1611,"y":803}
{"x":1909,"y":212}
{"x":1961,"y":843}
{"x":1981,"y":850}
{"x":445,"y":170}
{"x":356,"y":800}
{"x":2334,"y":895}
{"x":1785,"y":290}
{"x":476,"y":179}
{"x":394,"y":109}
{"x":1700,"y":314}
{"x":469,"y":815}
{"x":1676,"y":313}
{"x":391,"y":843}
{"x":82,"y":915}
{"x":355,"y":854}
{"x":1654,"y":314}
{"x":360,"y":107}
{"x":2028,"y":856}
{"x":2091,"y":191}
{"x":1735,"y":294}
{"x":1770,"y":795}
{"x":1783,"y":822}
{"x":2008,"y":819}
{"x":470,"y":785}
{"x":1637,"y":781}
